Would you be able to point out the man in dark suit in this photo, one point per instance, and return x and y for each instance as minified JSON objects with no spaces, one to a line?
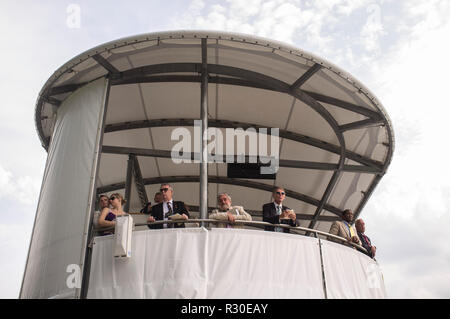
{"x":168,"y":209}
{"x":277,"y":213}
{"x":365,"y":241}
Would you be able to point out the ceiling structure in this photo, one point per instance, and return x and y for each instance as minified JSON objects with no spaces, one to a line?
{"x":336,"y":140}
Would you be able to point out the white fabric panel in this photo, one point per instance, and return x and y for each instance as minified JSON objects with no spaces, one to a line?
{"x":196,"y":263}
{"x":351,"y":274}
{"x":61,"y":213}
{"x":257,"y":264}
{"x":166,"y":263}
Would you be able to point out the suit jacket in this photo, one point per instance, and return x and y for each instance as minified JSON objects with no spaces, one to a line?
{"x":339,"y":228}
{"x":367,"y":245}
{"x":270,"y":216}
{"x":243,"y":215}
{"x":158,"y":213}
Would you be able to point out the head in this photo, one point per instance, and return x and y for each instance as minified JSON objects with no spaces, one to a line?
{"x":167,"y":192}
{"x":347,"y":215}
{"x":279,"y":194}
{"x":224,"y":201}
{"x":360,"y":226}
{"x":116,"y":200}
{"x":158,"y":198}
{"x":103,"y":202}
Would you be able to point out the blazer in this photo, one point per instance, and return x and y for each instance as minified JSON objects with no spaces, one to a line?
{"x":270,"y":216}
{"x":339,"y":228}
{"x":158,"y":213}
{"x":367,"y":245}
{"x":235,"y":210}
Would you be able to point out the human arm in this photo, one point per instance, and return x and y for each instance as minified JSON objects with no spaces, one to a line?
{"x":102,"y":222}
{"x":267,"y":215}
{"x":243,"y":215}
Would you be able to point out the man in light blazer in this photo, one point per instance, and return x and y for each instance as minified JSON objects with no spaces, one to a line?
{"x":226,"y":212}
{"x":276,"y":213}
{"x":345,"y":229}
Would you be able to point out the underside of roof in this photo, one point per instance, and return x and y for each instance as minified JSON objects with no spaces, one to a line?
{"x":336,"y":140}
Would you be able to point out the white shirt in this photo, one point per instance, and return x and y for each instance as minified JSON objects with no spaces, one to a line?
{"x":276,"y":208}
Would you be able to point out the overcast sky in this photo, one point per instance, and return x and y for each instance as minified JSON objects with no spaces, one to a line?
{"x":398,"y":49}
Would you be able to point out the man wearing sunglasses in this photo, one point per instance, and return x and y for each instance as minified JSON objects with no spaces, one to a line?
{"x":168,"y":209}
{"x":277,"y":213}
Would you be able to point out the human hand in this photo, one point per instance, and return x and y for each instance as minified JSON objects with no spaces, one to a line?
{"x":231,"y":217}
{"x":373,"y":249}
{"x":184,"y":216}
{"x":284,"y":214}
{"x":355,"y":239}
{"x":291,"y":214}
{"x":151,"y":219}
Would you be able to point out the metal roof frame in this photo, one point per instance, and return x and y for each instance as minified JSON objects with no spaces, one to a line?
{"x":238,"y":76}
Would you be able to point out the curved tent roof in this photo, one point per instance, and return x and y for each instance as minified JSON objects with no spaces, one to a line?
{"x":336,"y":138}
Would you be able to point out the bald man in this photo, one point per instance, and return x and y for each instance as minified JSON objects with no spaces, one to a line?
{"x":365,"y":241}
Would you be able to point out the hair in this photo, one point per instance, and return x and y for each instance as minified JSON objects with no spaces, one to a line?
{"x":274,"y":190}
{"x":122,"y":200}
{"x":170,"y":186}
{"x":345,"y":212}
{"x":158,"y":193}
{"x":102,"y":196}
{"x":222,"y":194}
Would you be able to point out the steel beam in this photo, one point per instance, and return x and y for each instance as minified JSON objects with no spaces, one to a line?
{"x":139,"y":182}
{"x":204,"y":137}
{"x":306,"y":76}
{"x":345,"y":105}
{"x":361,"y":124}
{"x":106,"y":65}
{"x":248,"y":159}
{"x":129,"y":176}
{"x":308,"y":140}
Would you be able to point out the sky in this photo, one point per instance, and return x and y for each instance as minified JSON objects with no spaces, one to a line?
{"x":398,"y":49}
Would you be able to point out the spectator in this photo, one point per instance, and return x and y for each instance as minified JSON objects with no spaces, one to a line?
{"x":365,"y":241}
{"x":276,"y":213}
{"x":103,"y":201}
{"x":226,"y":212}
{"x":344,"y":228}
{"x":108,"y":214}
{"x":158,"y":198}
{"x":168,"y":209}
{"x":148,"y":207}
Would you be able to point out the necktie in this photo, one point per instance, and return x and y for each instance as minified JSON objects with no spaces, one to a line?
{"x":350,"y":229}
{"x":169,"y":212}
{"x":169,"y":207}
{"x":278,"y":229}
{"x":366,"y":240}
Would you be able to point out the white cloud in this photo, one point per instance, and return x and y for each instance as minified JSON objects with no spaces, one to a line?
{"x":14,"y":242}
{"x":23,"y":189}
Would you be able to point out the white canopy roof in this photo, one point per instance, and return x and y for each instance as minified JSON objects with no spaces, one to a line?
{"x":336,"y":138}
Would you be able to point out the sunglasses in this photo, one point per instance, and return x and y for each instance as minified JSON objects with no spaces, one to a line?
{"x":112,"y":198}
{"x":281,"y":193}
{"x":163,"y":190}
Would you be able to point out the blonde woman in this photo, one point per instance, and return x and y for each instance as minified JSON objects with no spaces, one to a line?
{"x":108,"y":215}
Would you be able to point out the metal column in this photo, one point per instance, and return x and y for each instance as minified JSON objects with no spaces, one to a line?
{"x":203,"y":203}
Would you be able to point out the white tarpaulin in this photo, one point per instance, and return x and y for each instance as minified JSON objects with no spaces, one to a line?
{"x":196,"y":263}
{"x":63,"y":204}
{"x":351,"y":274}
{"x":169,"y":263}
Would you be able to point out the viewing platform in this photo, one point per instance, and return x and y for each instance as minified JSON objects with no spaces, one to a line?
{"x":208,"y":113}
